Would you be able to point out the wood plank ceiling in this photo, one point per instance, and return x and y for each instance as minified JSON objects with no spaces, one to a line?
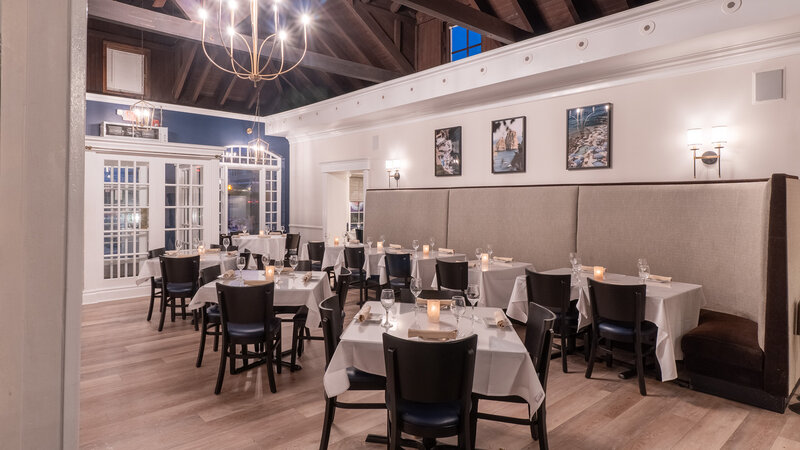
{"x":352,"y":43}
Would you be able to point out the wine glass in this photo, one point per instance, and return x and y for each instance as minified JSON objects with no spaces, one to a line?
{"x":226,"y":243}
{"x":278,"y":266}
{"x":326,"y":238}
{"x":387,"y":301}
{"x":473,"y":294}
{"x":382,"y":239}
{"x":283,"y":229}
{"x":489,"y":252}
{"x":416,"y":289}
{"x":178,"y":245}
{"x":459,"y":307}
{"x":644,"y":270}
{"x":240,"y":263}
{"x":369,"y":243}
{"x":478,"y":252}
{"x":265,"y":260}
{"x":432,"y":242}
{"x":415,"y":246}
{"x":196,"y":242}
{"x":244,"y":229}
{"x":293,"y":263}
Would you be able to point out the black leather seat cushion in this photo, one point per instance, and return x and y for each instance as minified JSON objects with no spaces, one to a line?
{"x":434,"y":415}
{"x":365,"y":381}
{"x":725,"y":346}
{"x":179,"y":288}
{"x":625,"y":331}
{"x":213,"y":313}
{"x":250,"y":331}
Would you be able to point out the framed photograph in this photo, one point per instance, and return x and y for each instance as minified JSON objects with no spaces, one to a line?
{"x":508,"y":145}
{"x":447,"y":152}
{"x":589,"y":137}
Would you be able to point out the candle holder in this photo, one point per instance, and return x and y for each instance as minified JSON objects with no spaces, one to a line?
{"x":269,"y":273}
{"x":426,"y":250}
{"x":484,"y":261}
{"x":599,"y":273}
{"x":201,"y":249}
{"x":336,"y":242}
{"x":260,"y":232}
{"x":379,"y":246}
{"x":434,"y":307}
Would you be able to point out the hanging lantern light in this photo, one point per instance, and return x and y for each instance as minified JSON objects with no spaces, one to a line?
{"x":145,"y":114}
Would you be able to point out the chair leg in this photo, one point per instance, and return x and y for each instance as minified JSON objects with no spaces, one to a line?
{"x":640,"y":367}
{"x":232,"y":356}
{"x":563,"y":353}
{"x":295,"y":338}
{"x":473,"y":422}
{"x":171,"y":306}
{"x":245,"y":359}
{"x":330,"y":409}
{"x":202,"y":342}
{"x":541,"y":427}
{"x":152,"y":300}
{"x":221,"y":372}
{"x":195,"y":319}
{"x":278,"y":351}
{"x":164,"y":300}
{"x":592,"y":355}
{"x":183,"y":308}
{"x":270,"y":372}
{"x":217,"y":329}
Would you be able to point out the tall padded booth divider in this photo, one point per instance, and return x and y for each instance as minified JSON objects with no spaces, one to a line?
{"x":533,"y":224}
{"x":404,"y":215}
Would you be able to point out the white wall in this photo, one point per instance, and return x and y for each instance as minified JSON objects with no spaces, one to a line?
{"x":649,"y":124}
{"x":336,"y":194}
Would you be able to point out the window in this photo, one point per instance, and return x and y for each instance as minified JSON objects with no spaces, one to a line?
{"x":463,"y":43}
{"x":183,"y":204}
{"x":356,"y":203}
{"x":243,"y":168}
{"x":125,"y":217}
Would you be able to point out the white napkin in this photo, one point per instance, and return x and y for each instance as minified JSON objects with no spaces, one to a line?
{"x":500,"y":319}
{"x":587,"y":268}
{"x":256,"y":282}
{"x":448,"y":251}
{"x":659,"y":278}
{"x":307,"y":277}
{"x":504,"y":259}
{"x":433,"y":334}
{"x":229,"y":274}
{"x":395,"y":246}
{"x":212,"y":250}
{"x":363,"y":314}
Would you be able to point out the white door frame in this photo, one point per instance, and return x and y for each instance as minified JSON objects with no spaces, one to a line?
{"x":349,"y":165}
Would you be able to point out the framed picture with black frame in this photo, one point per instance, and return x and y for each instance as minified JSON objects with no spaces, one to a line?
{"x":447,"y":152}
{"x":508,"y":145}
{"x":589,"y":137}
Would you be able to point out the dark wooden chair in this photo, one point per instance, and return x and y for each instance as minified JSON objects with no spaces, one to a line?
{"x":292,"y":245}
{"x":618,"y":316}
{"x":437,"y":404}
{"x":398,"y":270}
{"x":553,"y":292}
{"x":316,"y":252}
{"x":248,"y":319}
{"x":303,"y":265}
{"x":452,"y":275}
{"x":156,"y":289}
{"x":332,"y":326}
{"x":180,"y":276}
{"x":354,"y":262}
{"x":539,"y":343}
{"x":211,"y":320}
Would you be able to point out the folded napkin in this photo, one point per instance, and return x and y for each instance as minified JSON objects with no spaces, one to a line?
{"x":448,"y":251}
{"x":229,"y":274}
{"x":659,"y":278}
{"x":212,"y":250}
{"x":442,"y":303}
{"x":256,"y":282}
{"x":395,"y":246}
{"x":354,"y":241}
{"x":504,"y":259}
{"x":473,"y":264}
{"x":232,"y":253}
{"x":287,"y":270}
{"x":587,"y":268}
{"x":433,"y":334}
{"x":307,"y":277}
{"x":500,"y":319}
{"x":363,"y":314}
{"x":171,"y":252}
{"x":244,"y":234}
{"x":275,"y":233}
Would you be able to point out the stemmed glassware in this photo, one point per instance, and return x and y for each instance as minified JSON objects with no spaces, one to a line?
{"x":459,"y":307}
{"x":240,"y":263}
{"x":415,"y":246}
{"x":278,"y":266}
{"x":387,"y":301}
{"x":432,"y":242}
{"x":478,"y":252}
{"x":416,"y":289}
{"x":644,"y":270}
{"x":575,"y":262}
{"x":196,"y":242}
{"x":265,"y":260}
{"x":489,"y":252}
{"x":473,"y":294}
{"x":293,"y":264}
{"x":283,"y":229}
{"x":226,"y":243}
{"x":244,"y":229}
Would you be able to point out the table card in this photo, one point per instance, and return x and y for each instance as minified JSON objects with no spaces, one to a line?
{"x":599,"y":273}
{"x":433,"y":310}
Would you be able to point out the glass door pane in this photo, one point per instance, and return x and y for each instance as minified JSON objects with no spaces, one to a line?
{"x":243,"y":192}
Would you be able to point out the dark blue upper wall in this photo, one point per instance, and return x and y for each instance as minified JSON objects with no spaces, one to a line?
{"x":200,"y":129}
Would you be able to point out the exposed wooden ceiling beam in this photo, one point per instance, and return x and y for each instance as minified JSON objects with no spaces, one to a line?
{"x":326,"y":44}
{"x":159,"y":3}
{"x":256,"y":94}
{"x":400,"y":60}
{"x":389,"y":15}
{"x":583,"y":10}
{"x":121,"y":13}
{"x":530,"y":12}
{"x":457,"y":13}
{"x":226,"y":87}
{"x":201,"y":80}
{"x":190,"y":51}
{"x":190,"y":8}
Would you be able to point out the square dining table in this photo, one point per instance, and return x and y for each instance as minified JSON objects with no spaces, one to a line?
{"x":502,"y":364}
{"x":674,"y":307}
{"x":495,"y":281}
{"x":423,"y":267}
{"x":152,"y":267}
{"x":272,"y":245}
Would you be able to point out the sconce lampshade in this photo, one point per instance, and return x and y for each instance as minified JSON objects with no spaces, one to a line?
{"x":719,"y":134}
{"x":389,"y":164}
{"x":694,"y":138}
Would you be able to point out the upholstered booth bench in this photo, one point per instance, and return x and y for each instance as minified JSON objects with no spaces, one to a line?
{"x":739,"y":239}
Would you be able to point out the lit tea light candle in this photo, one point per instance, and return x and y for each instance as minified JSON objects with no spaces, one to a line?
{"x":260,"y":232}
{"x":336,"y":242}
{"x":380,"y":246}
{"x":433,"y":310}
{"x":201,"y":250}
{"x":426,"y":250}
{"x":269,"y":273}
{"x":484,"y":261}
{"x":599,"y":273}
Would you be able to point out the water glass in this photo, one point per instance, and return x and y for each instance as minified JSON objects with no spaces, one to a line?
{"x":415,"y":246}
{"x":478,"y":253}
{"x":459,"y":307}
{"x":244,"y":229}
{"x":387,"y":301}
{"x":432,"y":242}
{"x":278,"y":266}
{"x":489,"y":252}
{"x":196,"y":242}
{"x":416,"y":290}
{"x":293,"y":263}
{"x":644,"y":270}
{"x":369,"y":243}
{"x":178,"y":245}
{"x":473,"y":294}
{"x":265,"y":260}
{"x":225,"y":243}
{"x":240,"y":263}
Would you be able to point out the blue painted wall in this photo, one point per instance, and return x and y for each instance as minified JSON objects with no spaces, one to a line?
{"x":200,"y":129}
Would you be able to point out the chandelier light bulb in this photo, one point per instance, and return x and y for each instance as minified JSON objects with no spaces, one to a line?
{"x":232,"y":5}
{"x":230,"y":31}
{"x":306,"y":19}
{"x":282,"y":35}
{"x":202,"y":13}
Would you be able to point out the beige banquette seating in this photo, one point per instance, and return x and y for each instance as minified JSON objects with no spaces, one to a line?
{"x":740,"y":240}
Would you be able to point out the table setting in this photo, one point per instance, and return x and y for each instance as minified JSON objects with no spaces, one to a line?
{"x":208,"y":257}
{"x":262,"y":243}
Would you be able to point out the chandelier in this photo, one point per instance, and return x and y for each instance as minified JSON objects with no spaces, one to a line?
{"x":258,"y":147}
{"x":144,"y":114}
{"x":271,"y":47}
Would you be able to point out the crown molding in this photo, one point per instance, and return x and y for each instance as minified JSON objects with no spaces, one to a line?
{"x":167,"y":106}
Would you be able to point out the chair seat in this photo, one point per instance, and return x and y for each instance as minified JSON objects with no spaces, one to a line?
{"x":158,"y":280}
{"x":434,"y":415}
{"x":250,"y":330}
{"x":364,"y":381}
{"x":179,"y":288}
{"x":625,"y":331}
{"x":398,"y":283}
{"x":316,"y":266}
{"x":213,"y":312}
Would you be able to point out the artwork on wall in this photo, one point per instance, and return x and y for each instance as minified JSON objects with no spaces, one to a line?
{"x":589,"y":137}
{"x":447,"y":152}
{"x":508,"y":145}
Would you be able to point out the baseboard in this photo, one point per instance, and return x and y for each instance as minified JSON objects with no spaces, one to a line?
{"x":111,"y":294}
{"x":743,"y":394}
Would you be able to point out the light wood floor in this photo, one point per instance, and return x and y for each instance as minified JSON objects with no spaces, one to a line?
{"x":140,"y":390}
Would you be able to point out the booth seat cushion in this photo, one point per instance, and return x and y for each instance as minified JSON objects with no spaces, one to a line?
{"x":725,"y":346}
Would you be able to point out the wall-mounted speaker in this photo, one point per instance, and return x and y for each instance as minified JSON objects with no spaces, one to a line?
{"x":768,"y":85}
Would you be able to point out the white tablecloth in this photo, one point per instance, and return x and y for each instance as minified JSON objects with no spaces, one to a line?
{"x":502,"y":364}
{"x":422,"y":267}
{"x":274,"y":246}
{"x":496,"y":283}
{"x":333,"y":257}
{"x":152,"y":267}
{"x":673,"y":307}
{"x":288,"y":292}
{"x":518,"y":303}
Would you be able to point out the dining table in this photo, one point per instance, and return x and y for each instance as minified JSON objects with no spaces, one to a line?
{"x":423,"y":266}
{"x":502,"y":364}
{"x":333,"y":256}
{"x":674,"y":307}
{"x":273,"y":246}
{"x":495,"y":280}
{"x":152,"y":267}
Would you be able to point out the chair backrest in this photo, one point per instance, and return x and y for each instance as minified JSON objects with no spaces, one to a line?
{"x":616,"y":302}
{"x":210,"y":273}
{"x":246,"y":304}
{"x":354,"y":257}
{"x":398,"y":265}
{"x":246,"y":253}
{"x":448,"y":369}
{"x":453,"y":275}
{"x":316,"y":251}
{"x":360,"y":234}
{"x":332,"y":325}
{"x":180,"y":269}
{"x":260,"y":262}
{"x":292,"y":244}
{"x":303,"y":265}
{"x":342,"y":286}
{"x":222,"y":238}
{"x":156,"y":252}
{"x":550,"y":291}
{"x":539,"y":339}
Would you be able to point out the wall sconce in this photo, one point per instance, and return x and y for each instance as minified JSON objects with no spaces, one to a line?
{"x":719,"y":137}
{"x":393,"y":170}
